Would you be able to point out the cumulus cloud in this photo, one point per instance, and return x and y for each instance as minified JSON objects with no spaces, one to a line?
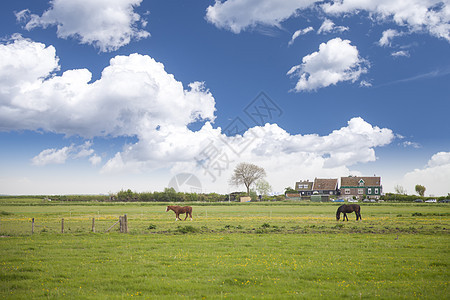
{"x":299,"y":33}
{"x":238,"y":15}
{"x":434,"y":176}
{"x":431,"y":16}
{"x":411,"y":144}
{"x":284,"y":155}
{"x":134,"y":94}
{"x":136,"y":97}
{"x":329,"y":26}
{"x":401,"y":53}
{"x":387,"y":37}
{"x":417,"y":15}
{"x":60,"y":156}
{"x":52,"y":156}
{"x":336,"y":61}
{"x":439,"y":159}
{"x":365,"y":83}
{"x":23,"y":62}
{"x":105,"y":24}
{"x":95,"y":160}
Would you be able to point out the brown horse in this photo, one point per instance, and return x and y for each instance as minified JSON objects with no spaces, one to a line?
{"x":180,"y":210}
{"x":348,"y":208}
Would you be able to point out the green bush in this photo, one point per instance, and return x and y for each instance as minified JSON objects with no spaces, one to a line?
{"x":187,"y":229}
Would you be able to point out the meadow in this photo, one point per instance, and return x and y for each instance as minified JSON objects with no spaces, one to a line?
{"x":266,"y":250}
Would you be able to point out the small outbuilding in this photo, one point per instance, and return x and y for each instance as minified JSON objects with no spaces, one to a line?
{"x":320,"y":198}
{"x":245,"y":199}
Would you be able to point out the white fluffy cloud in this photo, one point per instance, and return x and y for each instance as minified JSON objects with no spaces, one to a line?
{"x":95,"y":159}
{"x":401,"y":53}
{"x":23,"y":62}
{"x":60,"y":156}
{"x":387,"y":37}
{"x":335,"y":61}
{"x":106,"y":24}
{"x":136,"y":97}
{"x":434,"y":176}
{"x":418,"y":15}
{"x":329,"y":26}
{"x":299,"y":33}
{"x":439,"y":159}
{"x":432,"y":16}
{"x":284,"y":155}
{"x":238,"y":15}
{"x":51,"y":156}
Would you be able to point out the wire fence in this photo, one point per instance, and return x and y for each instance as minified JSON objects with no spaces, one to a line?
{"x":26,"y":226}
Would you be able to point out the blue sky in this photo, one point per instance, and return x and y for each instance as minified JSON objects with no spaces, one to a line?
{"x":98,"y":96}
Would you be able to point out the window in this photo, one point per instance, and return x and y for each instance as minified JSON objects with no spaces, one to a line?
{"x":361,"y":182}
{"x":369,"y":191}
{"x":360,"y":191}
{"x":376,"y":191}
{"x":347,"y":191}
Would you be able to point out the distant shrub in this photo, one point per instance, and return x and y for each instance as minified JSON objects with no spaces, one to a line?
{"x":187,"y":229}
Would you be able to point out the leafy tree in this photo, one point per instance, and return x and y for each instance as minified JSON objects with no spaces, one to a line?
{"x":263,"y":187}
{"x":125,"y":195}
{"x":289,"y":190}
{"x":170,"y":194}
{"x":247,"y":174}
{"x":420,"y":189}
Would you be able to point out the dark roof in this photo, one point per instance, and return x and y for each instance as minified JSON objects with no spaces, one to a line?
{"x":325,"y":184}
{"x":354,"y":181}
{"x":308,"y":183}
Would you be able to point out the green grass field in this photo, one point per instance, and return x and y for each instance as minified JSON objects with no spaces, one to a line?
{"x":238,"y":251}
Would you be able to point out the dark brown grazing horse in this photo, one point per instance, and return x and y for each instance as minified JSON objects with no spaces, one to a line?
{"x":180,"y":210}
{"x":348,"y":208}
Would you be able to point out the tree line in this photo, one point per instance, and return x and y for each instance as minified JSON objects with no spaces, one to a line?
{"x":168,"y":195}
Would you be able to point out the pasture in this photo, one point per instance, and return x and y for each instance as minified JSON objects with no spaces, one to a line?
{"x":261,"y":250}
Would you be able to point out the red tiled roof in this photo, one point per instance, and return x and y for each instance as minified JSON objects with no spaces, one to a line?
{"x":325,"y":184}
{"x":354,"y":181}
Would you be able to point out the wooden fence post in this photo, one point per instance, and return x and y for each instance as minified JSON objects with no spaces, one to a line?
{"x":120,"y":224}
{"x":126,"y":223}
{"x":93,"y":225}
{"x":32,"y":226}
{"x":62,"y":225}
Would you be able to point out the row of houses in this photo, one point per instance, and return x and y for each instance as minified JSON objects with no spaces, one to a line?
{"x":351,"y":187}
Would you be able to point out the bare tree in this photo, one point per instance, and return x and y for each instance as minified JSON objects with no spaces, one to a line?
{"x":399,"y":190}
{"x":246,"y":173}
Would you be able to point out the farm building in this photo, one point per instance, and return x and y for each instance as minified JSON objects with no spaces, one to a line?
{"x":325,"y":186}
{"x":361,"y":187}
{"x":320,"y":198}
{"x":304,"y":188}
